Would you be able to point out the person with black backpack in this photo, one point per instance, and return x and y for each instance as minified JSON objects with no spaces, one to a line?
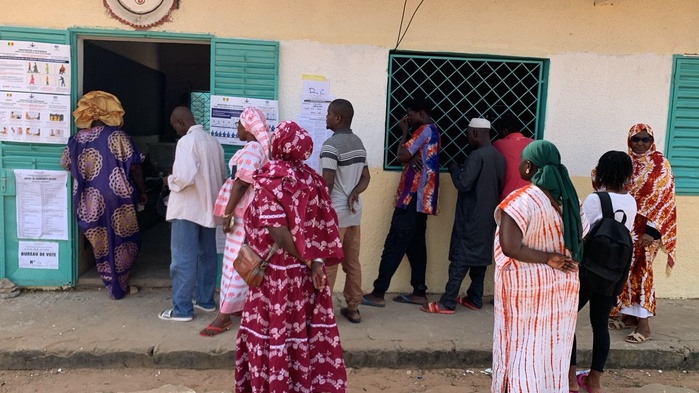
{"x":606,"y":259}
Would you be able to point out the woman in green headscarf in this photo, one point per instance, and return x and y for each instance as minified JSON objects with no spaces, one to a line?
{"x":537,"y":245}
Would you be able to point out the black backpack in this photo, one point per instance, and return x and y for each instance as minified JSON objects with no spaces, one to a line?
{"x":608,"y":252}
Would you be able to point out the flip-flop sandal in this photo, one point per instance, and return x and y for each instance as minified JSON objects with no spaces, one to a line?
{"x":467,"y":303}
{"x":367,"y":302}
{"x":636,"y":338}
{"x":434,"y":308}
{"x":618,"y":324}
{"x":216,"y":330}
{"x":581,"y":383}
{"x":406,"y":299}
{"x":344,"y":311}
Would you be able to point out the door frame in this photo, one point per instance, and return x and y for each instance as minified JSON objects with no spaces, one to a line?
{"x":76,"y":37}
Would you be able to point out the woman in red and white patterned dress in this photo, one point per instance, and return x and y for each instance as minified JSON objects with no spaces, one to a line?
{"x":232,"y":201}
{"x":288,"y":339}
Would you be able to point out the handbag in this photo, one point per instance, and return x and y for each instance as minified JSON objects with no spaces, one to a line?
{"x":250,"y":266}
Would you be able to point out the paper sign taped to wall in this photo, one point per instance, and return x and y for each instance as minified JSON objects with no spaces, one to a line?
{"x":38,"y":255}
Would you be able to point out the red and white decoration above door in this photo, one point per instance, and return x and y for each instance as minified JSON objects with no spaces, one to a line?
{"x":141,"y":14}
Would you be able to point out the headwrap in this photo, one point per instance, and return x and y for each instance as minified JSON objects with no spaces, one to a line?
{"x":552,"y":176}
{"x":653,"y":187}
{"x":255,"y":123}
{"x":302,"y":194}
{"x":98,"y":105}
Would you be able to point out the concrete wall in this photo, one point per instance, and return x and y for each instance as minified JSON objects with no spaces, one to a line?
{"x":610,"y":68}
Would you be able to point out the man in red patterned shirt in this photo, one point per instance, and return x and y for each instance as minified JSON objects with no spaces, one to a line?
{"x":416,"y":198}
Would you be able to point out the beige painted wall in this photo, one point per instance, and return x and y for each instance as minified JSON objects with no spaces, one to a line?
{"x":522,"y":27}
{"x":610,"y":68}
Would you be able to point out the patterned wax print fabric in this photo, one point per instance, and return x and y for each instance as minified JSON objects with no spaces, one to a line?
{"x":99,"y":159}
{"x":653,"y":187}
{"x":246,"y":161}
{"x":422,"y":184}
{"x":255,"y":122}
{"x":288,"y":339}
{"x":536,"y":306}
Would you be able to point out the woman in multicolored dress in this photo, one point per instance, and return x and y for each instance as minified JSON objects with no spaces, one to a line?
{"x":288,"y":339}
{"x":107,"y":184}
{"x":653,"y":187}
{"x":537,"y":245}
{"x":232,"y":201}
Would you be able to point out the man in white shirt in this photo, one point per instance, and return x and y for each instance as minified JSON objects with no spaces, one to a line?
{"x":197,"y":175}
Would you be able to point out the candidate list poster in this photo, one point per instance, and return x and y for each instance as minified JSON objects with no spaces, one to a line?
{"x":36,"y":118}
{"x":42,"y":204}
{"x":225,"y":113}
{"x":34,"y":67}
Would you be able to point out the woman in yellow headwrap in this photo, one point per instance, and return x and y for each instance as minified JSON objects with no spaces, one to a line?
{"x":107,"y":183}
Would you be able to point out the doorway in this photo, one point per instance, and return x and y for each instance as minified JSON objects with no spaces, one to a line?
{"x":150,"y":78}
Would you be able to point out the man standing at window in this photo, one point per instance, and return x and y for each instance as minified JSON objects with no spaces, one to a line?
{"x":197,"y":174}
{"x":416,"y":198}
{"x":344,"y":166}
{"x":510,"y":145}
{"x":478,"y":181}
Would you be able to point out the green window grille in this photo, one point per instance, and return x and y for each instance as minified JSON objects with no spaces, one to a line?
{"x":682,"y":142}
{"x":461,"y":87}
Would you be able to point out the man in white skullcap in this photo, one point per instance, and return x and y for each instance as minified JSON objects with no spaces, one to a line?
{"x":478,"y":181}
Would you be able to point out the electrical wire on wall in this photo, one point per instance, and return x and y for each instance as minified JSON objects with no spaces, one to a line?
{"x":400,"y":37}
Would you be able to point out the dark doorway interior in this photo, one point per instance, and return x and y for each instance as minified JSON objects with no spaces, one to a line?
{"x":150,"y":79}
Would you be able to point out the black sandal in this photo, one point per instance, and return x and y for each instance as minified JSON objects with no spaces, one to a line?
{"x":344,"y":311}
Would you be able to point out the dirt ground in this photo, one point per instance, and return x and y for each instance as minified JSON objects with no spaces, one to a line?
{"x":360,"y":381}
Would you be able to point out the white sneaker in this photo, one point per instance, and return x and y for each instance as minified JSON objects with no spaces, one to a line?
{"x":168,"y":316}
{"x":205,"y":309}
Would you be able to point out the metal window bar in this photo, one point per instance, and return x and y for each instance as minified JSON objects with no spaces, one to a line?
{"x":461,"y":87}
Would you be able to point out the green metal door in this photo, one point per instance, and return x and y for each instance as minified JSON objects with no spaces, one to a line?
{"x":18,"y":155}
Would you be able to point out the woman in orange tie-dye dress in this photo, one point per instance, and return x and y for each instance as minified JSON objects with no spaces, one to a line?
{"x":537,"y":244}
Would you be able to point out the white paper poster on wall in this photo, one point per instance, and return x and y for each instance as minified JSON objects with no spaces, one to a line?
{"x":38,"y":255}
{"x":225,"y":112}
{"x":32,"y":117}
{"x":42,"y":204}
{"x":315,"y":99}
{"x":34,"y":67}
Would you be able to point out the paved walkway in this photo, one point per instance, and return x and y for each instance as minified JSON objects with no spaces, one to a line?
{"x":84,"y":328}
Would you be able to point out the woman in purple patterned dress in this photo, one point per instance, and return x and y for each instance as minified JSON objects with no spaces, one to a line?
{"x":107,"y":183}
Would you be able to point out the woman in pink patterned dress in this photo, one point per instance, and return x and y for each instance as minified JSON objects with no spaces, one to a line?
{"x":232,"y":201}
{"x":288,"y":340}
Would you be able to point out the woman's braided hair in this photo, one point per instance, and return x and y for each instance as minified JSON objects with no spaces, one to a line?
{"x":614,"y":170}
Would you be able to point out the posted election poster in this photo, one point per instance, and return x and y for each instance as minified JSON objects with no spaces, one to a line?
{"x":34,"y":67}
{"x":42,"y":204}
{"x":38,"y":255}
{"x":32,"y":117}
{"x":225,"y":113}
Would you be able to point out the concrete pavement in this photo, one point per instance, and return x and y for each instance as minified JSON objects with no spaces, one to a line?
{"x":84,"y":328}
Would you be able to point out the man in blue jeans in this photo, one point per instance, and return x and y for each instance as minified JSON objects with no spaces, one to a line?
{"x":197,"y":175}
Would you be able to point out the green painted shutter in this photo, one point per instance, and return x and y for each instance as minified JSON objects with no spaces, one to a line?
{"x":682,"y":145}
{"x":15,"y":155}
{"x":244,"y":68}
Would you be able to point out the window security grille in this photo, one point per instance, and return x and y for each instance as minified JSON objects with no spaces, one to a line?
{"x":461,"y":87}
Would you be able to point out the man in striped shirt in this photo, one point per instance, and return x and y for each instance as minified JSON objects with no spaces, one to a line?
{"x":343,"y":161}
